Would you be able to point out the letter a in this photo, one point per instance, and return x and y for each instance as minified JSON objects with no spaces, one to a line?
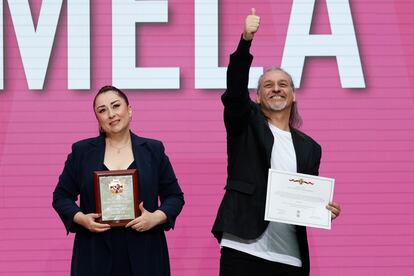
{"x":341,"y":43}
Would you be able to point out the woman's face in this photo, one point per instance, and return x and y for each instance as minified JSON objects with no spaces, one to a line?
{"x":112,"y":112}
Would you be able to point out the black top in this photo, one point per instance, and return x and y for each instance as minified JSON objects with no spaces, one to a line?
{"x":121,"y":263}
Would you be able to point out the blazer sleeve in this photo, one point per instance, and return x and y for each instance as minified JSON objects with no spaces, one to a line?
{"x":66,"y":194}
{"x":171,"y":196}
{"x":236,"y":99}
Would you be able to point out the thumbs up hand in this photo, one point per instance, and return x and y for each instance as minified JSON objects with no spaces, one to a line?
{"x":251,"y":25}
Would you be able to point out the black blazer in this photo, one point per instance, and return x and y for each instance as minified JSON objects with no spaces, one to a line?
{"x":249,"y":148}
{"x":92,"y":251}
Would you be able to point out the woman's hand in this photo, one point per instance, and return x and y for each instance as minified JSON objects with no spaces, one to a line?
{"x":335,"y":209}
{"x":147,"y":220}
{"x":88,"y":221}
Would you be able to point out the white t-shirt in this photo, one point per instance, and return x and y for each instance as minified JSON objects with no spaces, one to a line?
{"x":278,"y":243}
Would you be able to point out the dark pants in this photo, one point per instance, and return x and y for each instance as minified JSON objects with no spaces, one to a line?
{"x":233,"y":262}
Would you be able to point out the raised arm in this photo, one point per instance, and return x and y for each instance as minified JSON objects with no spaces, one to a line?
{"x":236,"y":98}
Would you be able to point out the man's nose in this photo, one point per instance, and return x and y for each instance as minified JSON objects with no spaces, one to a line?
{"x":276,"y":88}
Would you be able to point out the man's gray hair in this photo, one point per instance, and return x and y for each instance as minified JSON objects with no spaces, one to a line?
{"x":295,"y":120}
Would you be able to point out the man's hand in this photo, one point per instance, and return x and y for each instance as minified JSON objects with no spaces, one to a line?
{"x":335,"y":209}
{"x":251,"y":25}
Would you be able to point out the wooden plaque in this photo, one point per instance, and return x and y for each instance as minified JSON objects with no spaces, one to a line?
{"x":116,"y":196}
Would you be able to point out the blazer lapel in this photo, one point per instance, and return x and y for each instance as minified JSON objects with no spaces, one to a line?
{"x":97,"y":153}
{"x":268,"y":141}
{"x":300,"y":151}
{"x":266,"y":135}
{"x":93,"y":160}
{"x":142,"y":162}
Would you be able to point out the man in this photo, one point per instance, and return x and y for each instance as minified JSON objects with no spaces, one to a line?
{"x":260,"y":136}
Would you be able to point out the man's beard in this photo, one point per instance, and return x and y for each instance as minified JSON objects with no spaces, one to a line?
{"x":278,"y":107}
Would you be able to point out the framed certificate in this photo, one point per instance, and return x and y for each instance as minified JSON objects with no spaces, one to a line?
{"x":116,"y":196}
{"x":299,"y":199}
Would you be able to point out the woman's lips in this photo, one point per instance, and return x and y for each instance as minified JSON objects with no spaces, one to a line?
{"x":114,"y":122}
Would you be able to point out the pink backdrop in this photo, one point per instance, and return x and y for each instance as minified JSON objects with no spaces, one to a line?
{"x":367,"y":136}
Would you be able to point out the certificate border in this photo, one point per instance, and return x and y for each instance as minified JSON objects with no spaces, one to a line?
{"x":307,"y":176}
{"x":134,"y":174}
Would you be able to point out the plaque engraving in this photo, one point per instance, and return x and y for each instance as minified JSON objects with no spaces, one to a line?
{"x":116,"y":196}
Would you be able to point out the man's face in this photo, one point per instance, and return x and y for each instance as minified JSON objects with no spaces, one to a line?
{"x":276,"y":92}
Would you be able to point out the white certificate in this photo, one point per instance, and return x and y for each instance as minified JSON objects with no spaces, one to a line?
{"x":299,"y":199}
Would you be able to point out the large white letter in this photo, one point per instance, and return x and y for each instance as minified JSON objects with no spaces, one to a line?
{"x":79,"y":59}
{"x":35,"y":44}
{"x":125,"y":13}
{"x":207,"y":73}
{"x":341,"y":43}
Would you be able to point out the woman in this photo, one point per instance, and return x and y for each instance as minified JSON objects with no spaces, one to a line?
{"x":140,"y":247}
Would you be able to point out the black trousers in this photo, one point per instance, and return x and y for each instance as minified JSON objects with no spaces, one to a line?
{"x":234,"y":262}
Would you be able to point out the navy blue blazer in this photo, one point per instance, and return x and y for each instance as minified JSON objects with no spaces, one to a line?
{"x":157,"y":183}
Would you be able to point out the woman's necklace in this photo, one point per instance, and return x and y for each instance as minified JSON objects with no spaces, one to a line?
{"x":118,"y":149}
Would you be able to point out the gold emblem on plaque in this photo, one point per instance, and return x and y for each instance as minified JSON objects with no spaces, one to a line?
{"x":116,"y":187}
